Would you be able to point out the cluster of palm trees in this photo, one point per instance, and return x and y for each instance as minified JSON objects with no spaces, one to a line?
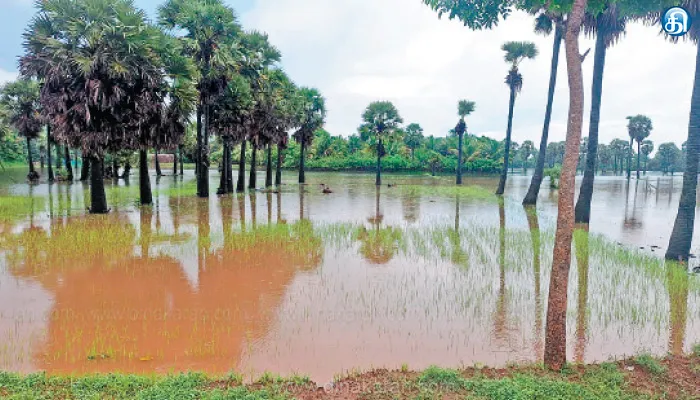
{"x":103,"y":79}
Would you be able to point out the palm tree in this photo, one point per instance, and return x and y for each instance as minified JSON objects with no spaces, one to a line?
{"x":210,"y":29}
{"x":380,"y":119}
{"x":544,"y":24}
{"x":310,"y":116}
{"x":682,"y":235}
{"x":516,"y":52}
{"x":464,"y":108}
{"x":118,"y":102}
{"x":647,"y":148}
{"x":413,"y":138}
{"x":639,"y":128}
{"x":20,"y":99}
{"x":608,"y":27}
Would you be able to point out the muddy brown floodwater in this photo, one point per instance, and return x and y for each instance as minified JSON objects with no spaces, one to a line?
{"x":298,"y":281}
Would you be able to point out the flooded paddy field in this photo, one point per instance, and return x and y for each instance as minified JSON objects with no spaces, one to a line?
{"x":297,"y":281}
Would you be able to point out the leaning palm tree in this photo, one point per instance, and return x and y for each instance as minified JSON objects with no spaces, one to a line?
{"x":639,"y":128}
{"x":516,"y":52}
{"x":21,"y":100}
{"x":380,"y":119}
{"x":544,"y":24}
{"x":311,"y":116}
{"x":608,"y":26}
{"x":464,"y":108}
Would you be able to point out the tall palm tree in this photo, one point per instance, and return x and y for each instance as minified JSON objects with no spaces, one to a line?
{"x":115,"y":103}
{"x":682,"y":235}
{"x":639,"y":128}
{"x":380,"y":119}
{"x":544,"y":24}
{"x":464,"y":108}
{"x":647,"y":149}
{"x":413,"y":138}
{"x":210,"y":29}
{"x":310,"y":116}
{"x":608,"y":26}
{"x":516,"y":52}
{"x":20,"y":99}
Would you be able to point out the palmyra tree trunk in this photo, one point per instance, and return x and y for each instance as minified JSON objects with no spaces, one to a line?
{"x":536,"y":182}
{"x":278,"y":172}
{"x":69,"y":166}
{"x":629,"y":158}
{"x":182,"y":160}
{"x":302,"y":176}
{"x":252,"y":177}
{"x":223,"y":178}
{"x":378,"y":178}
{"x":115,"y":168}
{"x":682,"y":235}
{"x":144,"y":180}
{"x":459,"y":160}
{"x":30,"y":158}
{"x":229,"y":167}
{"x":174,"y":162}
{"x":202,"y":169}
{"x":159,"y":172}
{"x":555,"y":338}
{"x":639,"y":153}
{"x":59,"y":155}
{"x":583,"y":205}
{"x":240,"y":184}
{"x":268,"y":171}
{"x":506,"y":155}
{"x":98,"y":199}
{"x":85,"y":169}
{"x":52,"y":177}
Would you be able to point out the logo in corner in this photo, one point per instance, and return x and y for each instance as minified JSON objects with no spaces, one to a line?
{"x":676,"y":21}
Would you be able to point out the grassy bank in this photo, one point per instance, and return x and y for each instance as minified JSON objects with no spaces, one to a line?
{"x":642,"y":377}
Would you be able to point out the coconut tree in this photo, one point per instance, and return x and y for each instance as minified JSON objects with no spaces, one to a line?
{"x":464,"y":108}
{"x":20,"y":99}
{"x":210,"y":29}
{"x":545,"y":22}
{"x":639,"y":128}
{"x":310,"y":116}
{"x":608,"y":26}
{"x":516,"y":52}
{"x":380,"y":119}
{"x":647,"y":149}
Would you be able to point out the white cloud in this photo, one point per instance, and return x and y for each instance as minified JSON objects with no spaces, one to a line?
{"x":357,"y":51}
{"x":6,"y":76}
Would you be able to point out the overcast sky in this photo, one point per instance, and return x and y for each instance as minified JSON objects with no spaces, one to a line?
{"x":359,"y":51}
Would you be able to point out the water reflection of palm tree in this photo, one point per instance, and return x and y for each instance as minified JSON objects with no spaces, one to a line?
{"x":269,"y":207}
{"x":253,"y":208}
{"x":241,"y":210}
{"x":581,"y":236}
{"x":114,"y":311}
{"x":677,"y":280}
{"x":458,"y":256}
{"x":631,"y":223}
{"x":500,"y":320}
{"x":146,"y":232}
{"x":378,"y":245}
{"x":534,"y":226}
{"x":410,"y":205}
{"x":279,"y":207}
{"x":302,"y":188}
{"x":203,"y":233}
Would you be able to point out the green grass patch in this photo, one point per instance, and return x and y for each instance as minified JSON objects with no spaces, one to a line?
{"x":16,"y":207}
{"x":650,"y":364}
